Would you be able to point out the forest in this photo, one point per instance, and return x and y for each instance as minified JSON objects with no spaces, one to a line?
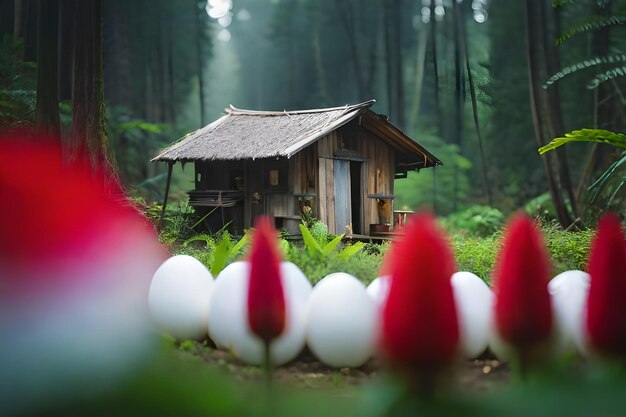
{"x":481,"y":84}
{"x":497,"y":287}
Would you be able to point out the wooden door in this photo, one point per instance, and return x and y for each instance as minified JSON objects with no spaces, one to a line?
{"x":343,"y":211}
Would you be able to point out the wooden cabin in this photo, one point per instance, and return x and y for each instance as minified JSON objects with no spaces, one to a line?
{"x":336,"y":164}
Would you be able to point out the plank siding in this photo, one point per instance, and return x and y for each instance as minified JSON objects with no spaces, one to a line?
{"x":321,"y":200}
{"x":341,"y":173}
{"x":330,"y":196}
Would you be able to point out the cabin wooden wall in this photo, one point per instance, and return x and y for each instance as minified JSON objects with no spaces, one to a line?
{"x":303,"y":171}
{"x":351,"y":142}
{"x":310,"y":173}
{"x":380,"y":172}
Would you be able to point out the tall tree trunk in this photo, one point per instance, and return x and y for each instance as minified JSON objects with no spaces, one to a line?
{"x":347,"y":17}
{"x":472,"y":88}
{"x":200,"y":57}
{"x":47,"y":108}
{"x":538,"y":102}
{"x":319,"y":65}
{"x":7,"y":17}
{"x":394,"y":62}
{"x":170,"y":73}
{"x":459,"y":92}
{"x":25,"y":26}
{"x":391,"y":102}
{"x":67,"y":23}
{"x":433,"y":49}
{"x":89,"y":139}
{"x":606,"y":101}
{"x":419,"y":77}
{"x":555,"y":116}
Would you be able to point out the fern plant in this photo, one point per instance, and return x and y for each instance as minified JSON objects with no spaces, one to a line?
{"x":329,"y":249}
{"x":587,"y":135}
{"x":594,"y":23}
{"x":221,"y":250}
{"x":614,"y":177}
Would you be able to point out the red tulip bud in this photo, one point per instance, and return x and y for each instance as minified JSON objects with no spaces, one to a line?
{"x":266,"y":301}
{"x":523,"y":311}
{"x":606,"y":305}
{"x":420,"y":328}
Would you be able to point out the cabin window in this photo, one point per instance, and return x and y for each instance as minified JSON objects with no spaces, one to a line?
{"x":273,"y":177}
{"x":275,"y":172}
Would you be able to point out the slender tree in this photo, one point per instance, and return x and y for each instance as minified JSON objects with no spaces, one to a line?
{"x":555,"y":117}
{"x":200,"y":61}
{"x":395,"y":85}
{"x":472,"y":89}
{"x":88,"y":140}
{"x":539,"y":103}
{"x":47,"y":108}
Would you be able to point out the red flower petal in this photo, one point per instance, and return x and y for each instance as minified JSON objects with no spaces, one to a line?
{"x":523,"y":311}
{"x":420,"y":326}
{"x":266,"y":302}
{"x":52,"y":213}
{"x":606,"y":304}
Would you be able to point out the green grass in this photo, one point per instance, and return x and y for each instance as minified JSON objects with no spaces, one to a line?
{"x":475,"y":236}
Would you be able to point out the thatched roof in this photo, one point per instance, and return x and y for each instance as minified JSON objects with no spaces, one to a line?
{"x":247,"y":134}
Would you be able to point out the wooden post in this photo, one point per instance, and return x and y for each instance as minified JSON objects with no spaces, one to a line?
{"x":170,"y":165}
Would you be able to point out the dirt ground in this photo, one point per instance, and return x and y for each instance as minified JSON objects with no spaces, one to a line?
{"x":480,"y":375}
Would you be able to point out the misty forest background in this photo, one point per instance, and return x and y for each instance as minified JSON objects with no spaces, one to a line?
{"x":463,"y":78}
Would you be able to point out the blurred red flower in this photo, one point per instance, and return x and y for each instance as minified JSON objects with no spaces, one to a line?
{"x":266,"y":300}
{"x":420,"y":330}
{"x":606,"y":303}
{"x":523,"y":311}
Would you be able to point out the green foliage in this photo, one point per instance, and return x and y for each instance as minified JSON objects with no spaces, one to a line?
{"x":319,"y":231}
{"x":17,"y":83}
{"x":607,"y":75}
{"x":611,"y":181}
{"x":364,"y":264}
{"x":475,"y":220}
{"x":582,"y":65}
{"x":568,"y":250}
{"x":541,"y":207}
{"x":178,"y":217}
{"x":561,"y":3}
{"x":218,"y":252}
{"x":226,"y":250}
{"x":421,"y":190}
{"x":587,"y":135}
{"x":315,"y":249}
{"x":596,"y":23}
{"x":609,"y":185}
{"x":476,"y":254}
{"x":135,"y":141}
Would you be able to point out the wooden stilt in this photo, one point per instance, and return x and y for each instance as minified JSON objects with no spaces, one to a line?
{"x":170,"y":165}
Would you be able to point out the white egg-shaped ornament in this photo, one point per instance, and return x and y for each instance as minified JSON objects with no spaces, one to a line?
{"x":474,"y":304}
{"x":379,"y":289}
{"x":569,"y":291}
{"x":179,"y":297}
{"x":228,"y":315}
{"x":341,"y":321}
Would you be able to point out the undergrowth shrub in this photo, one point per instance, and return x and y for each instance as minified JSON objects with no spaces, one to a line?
{"x":475,"y":220}
{"x":476,"y":254}
{"x":365,"y":265}
{"x":568,"y":250}
{"x":177,"y":222}
{"x":473,"y":253}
